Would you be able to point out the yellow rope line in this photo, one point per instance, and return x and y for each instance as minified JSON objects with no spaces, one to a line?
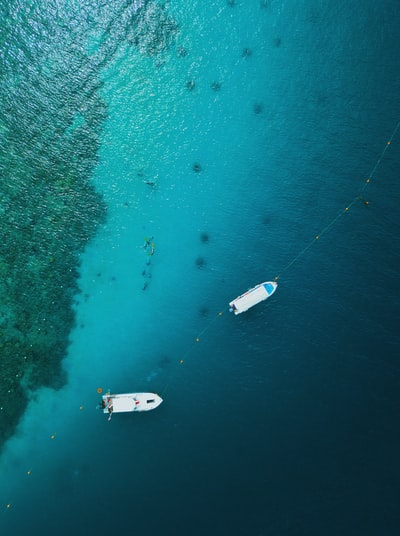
{"x":298,"y":256}
{"x":346,"y":209}
{"x":312,"y":242}
{"x":197,"y":339}
{"x":190,"y":347}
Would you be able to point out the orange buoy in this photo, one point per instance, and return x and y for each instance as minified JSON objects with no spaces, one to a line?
{"x":99,"y":390}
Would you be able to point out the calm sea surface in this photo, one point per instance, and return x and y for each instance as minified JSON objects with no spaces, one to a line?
{"x":227,"y":136}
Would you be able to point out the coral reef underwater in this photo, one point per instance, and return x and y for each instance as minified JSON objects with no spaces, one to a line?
{"x":51,"y":119}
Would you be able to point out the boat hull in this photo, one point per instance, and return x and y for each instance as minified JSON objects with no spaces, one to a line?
{"x":253,"y":296}
{"x":130,"y":402}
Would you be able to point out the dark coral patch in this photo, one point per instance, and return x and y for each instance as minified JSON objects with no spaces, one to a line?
{"x":200,"y":262}
{"x":204,"y":237}
{"x":196,"y":167}
{"x":181,"y":52}
{"x":203,"y":311}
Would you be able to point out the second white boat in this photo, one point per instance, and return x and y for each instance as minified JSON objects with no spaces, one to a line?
{"x":253,"y":296}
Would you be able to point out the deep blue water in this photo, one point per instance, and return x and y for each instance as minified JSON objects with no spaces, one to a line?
{"x":280,"y":421}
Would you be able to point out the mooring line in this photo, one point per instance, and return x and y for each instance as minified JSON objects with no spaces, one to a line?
{"x":357,"y":198}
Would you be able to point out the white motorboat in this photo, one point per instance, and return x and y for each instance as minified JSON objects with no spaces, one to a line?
{"x":127,"y":402}
{"x":253,"y":296}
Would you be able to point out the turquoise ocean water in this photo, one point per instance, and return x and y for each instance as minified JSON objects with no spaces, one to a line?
{"x":230,"y":139}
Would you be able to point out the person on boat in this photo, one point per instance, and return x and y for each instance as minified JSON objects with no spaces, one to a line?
{"x":110,"y":408}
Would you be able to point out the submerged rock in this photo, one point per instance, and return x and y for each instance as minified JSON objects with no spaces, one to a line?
{"x":204,"y":237}
{"x":196,"y":167}
{"x":200,"y":262}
